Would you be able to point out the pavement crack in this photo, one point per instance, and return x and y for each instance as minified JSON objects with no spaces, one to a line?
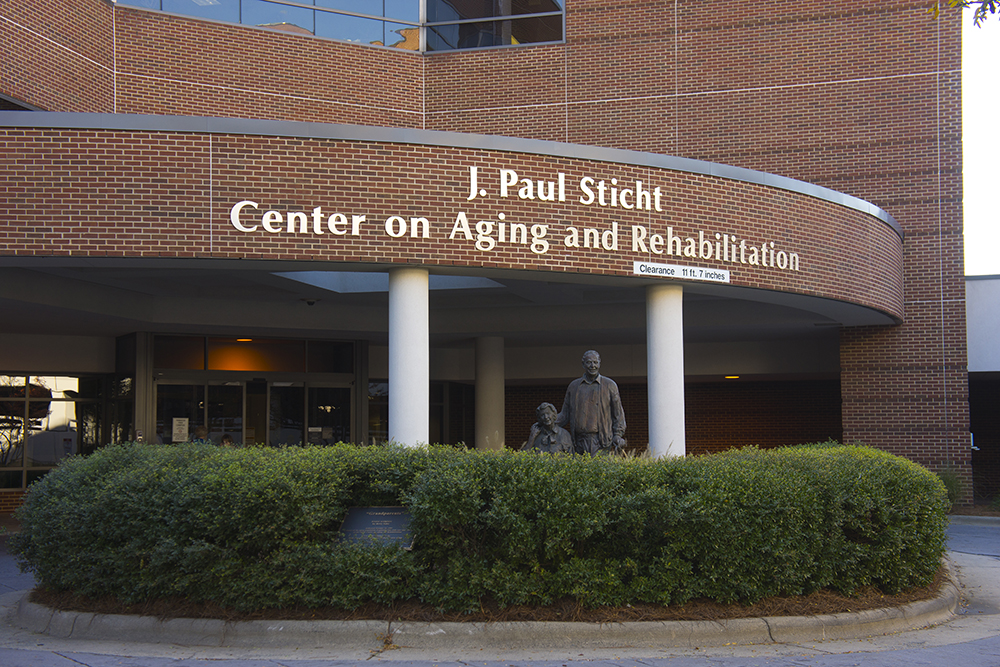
{"x":769,"y":633}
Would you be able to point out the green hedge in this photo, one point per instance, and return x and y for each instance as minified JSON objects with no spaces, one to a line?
{"x":257,"y":528}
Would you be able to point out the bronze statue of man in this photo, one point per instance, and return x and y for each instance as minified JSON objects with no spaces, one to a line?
{"x":546,"y":435}
{"x":592,"y":410}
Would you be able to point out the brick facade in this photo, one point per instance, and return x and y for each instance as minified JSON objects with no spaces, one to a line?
{"x":863,"y":99}
{"x":10,"y":501}
{"x":161,"y":194}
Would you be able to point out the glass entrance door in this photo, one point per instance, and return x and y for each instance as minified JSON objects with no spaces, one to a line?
{"x":329,"y":415}
{"x":225,"y":413}
{"x":288,"y":414}
{"x":253,"y":412}
{"x":180,"y":412}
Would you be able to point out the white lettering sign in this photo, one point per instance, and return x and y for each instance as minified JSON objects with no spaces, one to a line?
{"x":497,"y":232}
{"x":681,"y":272}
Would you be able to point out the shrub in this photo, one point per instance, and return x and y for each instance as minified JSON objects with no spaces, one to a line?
{"x":953,"y":483}
{"x":258,"y":528}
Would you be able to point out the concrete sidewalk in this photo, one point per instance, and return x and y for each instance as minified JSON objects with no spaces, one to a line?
{"x":971,"y":638}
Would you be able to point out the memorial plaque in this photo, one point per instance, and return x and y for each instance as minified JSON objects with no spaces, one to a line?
{"x":385,"y":525}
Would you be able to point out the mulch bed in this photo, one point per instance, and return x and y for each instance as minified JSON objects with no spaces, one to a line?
{"x":821,"y":602}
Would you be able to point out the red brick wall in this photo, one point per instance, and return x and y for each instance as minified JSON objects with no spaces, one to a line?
{"x":166,"y":194}
{"x":199,"y":68}
{"x":862,"y":98}
{"x":10,"y":501}
{"x":58,"y":56}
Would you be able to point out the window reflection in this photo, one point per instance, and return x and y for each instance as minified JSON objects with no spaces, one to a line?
{"x":281,"y":17}
{"x":349,"y":28}
{"x":12,"y":444}
{"x":494,"y":33}
{"x":401,"y":10}
{"x":217,"y":10}
{"x":393,"y":23}
{"x":329,"y":415}
{"x":10,"y":479}
{"x":54,"y":436}
{"x":180,"y":411}
{"x":44,"y":419}
{"x":288,"y":413}
{"x":451,"y":10}
{"x":225,"y":413}
{"x":401,"y":36}
{"x":378,"y":412}
{"x":13,"y":421}
{"x":122,"y":387}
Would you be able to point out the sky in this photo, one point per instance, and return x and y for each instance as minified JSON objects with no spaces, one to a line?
{"x":981,"y":143}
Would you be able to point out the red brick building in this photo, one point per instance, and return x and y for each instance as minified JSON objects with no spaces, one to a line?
{"x":306,"y":225}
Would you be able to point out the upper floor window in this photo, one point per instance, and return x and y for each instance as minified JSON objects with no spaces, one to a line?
{"x":415,"y":25}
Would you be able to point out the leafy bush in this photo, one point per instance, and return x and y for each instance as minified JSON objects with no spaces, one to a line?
{"x":258,"y":528}
{"x":953,"y":483}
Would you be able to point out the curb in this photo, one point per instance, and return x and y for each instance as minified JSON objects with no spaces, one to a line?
{"x":375,"y":635}
{"x":973,"y":520}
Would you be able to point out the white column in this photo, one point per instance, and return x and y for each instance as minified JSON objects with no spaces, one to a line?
{"x":409,"y":357}
{"x":145,"y":392}
{"x":490,"y":411}
{"x":665,"y":369}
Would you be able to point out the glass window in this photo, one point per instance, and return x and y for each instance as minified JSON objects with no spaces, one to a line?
{"x":13,"y":423}
{"x":180,"y":411}
{"x":122,"y":387}
{"x":378,"y":412}
{"x":329,"y":415}
{"x":52,"y":436}
{"x":12,"y":433}
{"x":44,"y":419}
{"x":11,"y":479}
{"x":179,"y":352}
{"x":494,"y":33}
{"x":59,"y":387}
{"x":225,"y":412}
{"x":350,"y":28}
{"x":400,"y":36}
{"x":88,"y":427}
{"x":148,"y":4}
{"x":361,"y":21}
{"x":401,"y":10}
{"x":12,"y":386}
{"x":217,"y":10}
{"x":283,"y":17}
{"x":33,"y":476}
{"x":451,"y":10}
{"x":327,"y":356}
{"x":245,"y":354}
